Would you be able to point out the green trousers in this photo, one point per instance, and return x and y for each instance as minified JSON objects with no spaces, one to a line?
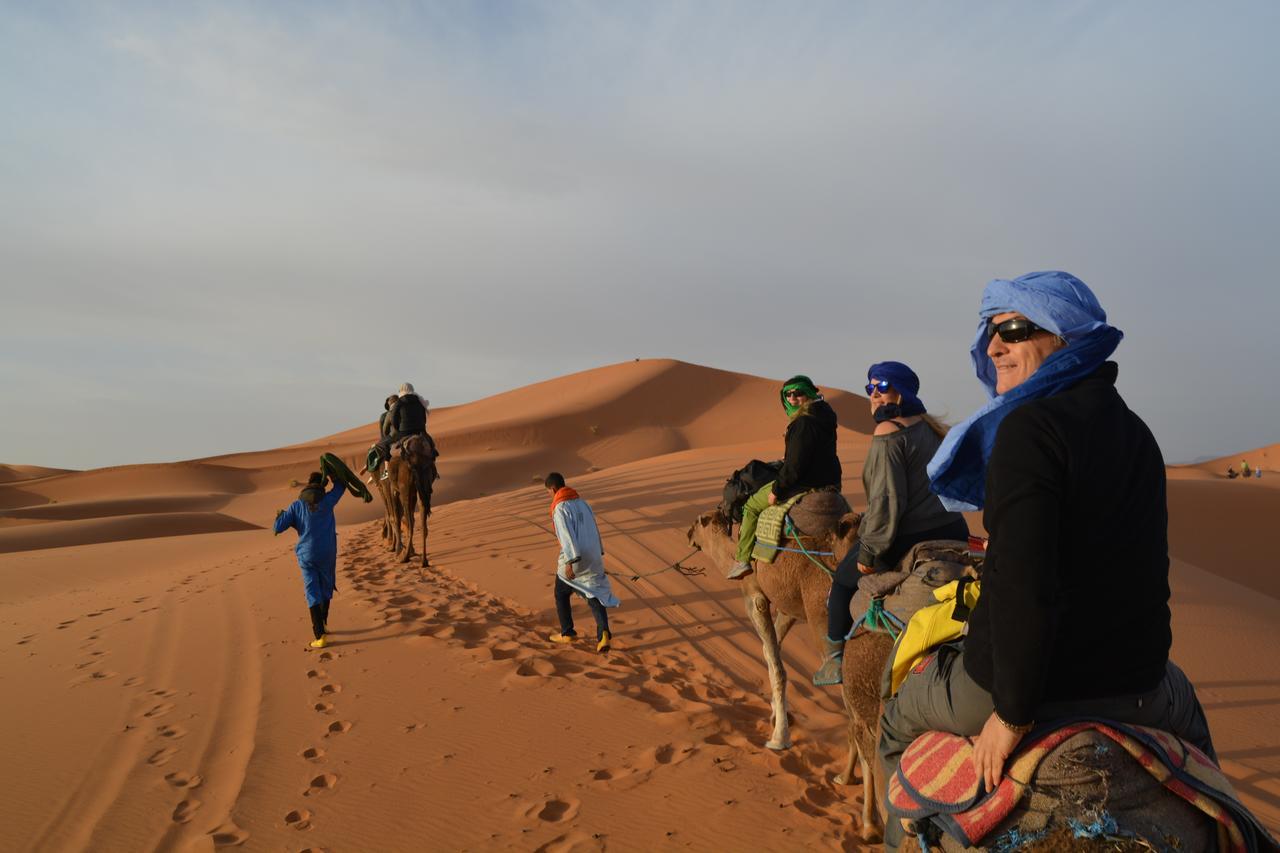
{"x":751,"y":510}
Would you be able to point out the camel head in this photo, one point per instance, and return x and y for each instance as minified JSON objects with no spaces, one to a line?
{"x":845,"y":535}
{"x":709,"y":527}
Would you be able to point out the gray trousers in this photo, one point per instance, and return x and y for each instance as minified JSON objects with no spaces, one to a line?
{"x":944,"y":698}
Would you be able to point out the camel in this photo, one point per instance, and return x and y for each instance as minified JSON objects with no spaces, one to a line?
{"x":411,"y":478}
{"x":798,"y":590}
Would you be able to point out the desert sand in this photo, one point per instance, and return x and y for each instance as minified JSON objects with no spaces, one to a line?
{"x":160,"y":693}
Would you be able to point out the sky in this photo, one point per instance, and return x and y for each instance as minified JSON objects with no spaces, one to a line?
{"x":233,"y":226}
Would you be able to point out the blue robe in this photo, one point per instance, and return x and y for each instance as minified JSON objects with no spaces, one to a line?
{"x":317,"y":547}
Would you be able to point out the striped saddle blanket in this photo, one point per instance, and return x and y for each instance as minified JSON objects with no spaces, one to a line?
{"x":936,"y":782}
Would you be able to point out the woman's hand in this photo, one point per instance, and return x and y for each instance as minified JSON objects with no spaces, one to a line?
{"x":865,"y":569}
{"x":773,"y":499}
{"x":568,"y":571}
{"x":993,"y":746}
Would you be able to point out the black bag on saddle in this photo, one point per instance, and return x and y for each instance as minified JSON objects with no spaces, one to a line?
{"x":744,"y":483}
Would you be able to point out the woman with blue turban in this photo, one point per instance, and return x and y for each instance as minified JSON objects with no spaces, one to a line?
{"x":1073,"y":619}
{"x":901,"y":509}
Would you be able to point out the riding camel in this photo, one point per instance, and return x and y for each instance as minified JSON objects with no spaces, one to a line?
{"x":410,"y":482}
{"x":793,"y":589}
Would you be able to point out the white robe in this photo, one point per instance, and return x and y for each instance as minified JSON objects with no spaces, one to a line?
{"x":580,"y":540}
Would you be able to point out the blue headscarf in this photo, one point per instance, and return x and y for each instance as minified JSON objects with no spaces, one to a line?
{"x":904,"y":381}
{"x":1053,"y":300}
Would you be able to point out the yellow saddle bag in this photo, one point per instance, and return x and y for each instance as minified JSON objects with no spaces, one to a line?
{"x":934,"y":625}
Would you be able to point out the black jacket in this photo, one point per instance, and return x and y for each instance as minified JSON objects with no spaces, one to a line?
{"x":810,"y":461}
{"x":408,"y":416}
{"x":1075,"y":588}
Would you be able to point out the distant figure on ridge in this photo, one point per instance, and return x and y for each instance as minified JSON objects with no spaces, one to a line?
{"x":580,"y":566}
{"x":810,"y":462}
{"x":1232,"y":473}
{"x":406,"y":415}
{"x":317,"y":549}
{"x":383,"y":426}
{"x":1245,"y":470}
{"x":901,"y":509}
{"x":1073,"y":618}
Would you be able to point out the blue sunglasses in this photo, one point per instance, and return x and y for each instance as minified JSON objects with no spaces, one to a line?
{"x":882,"y":386}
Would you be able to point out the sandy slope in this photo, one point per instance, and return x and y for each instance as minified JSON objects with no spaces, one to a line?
{"x":166,"y":699}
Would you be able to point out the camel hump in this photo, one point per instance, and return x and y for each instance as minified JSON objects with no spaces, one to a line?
{"x":818,"y":513}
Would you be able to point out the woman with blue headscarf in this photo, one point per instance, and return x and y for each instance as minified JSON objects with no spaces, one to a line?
{"x":1073,"y":619}
{"x":901,"y":510}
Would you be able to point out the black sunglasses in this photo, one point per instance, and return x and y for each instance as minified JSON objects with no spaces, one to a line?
{"x":882,"y":386}
{"x":1013,"y":331}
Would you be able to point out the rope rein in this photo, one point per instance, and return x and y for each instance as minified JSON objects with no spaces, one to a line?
{"x":687,"y":571}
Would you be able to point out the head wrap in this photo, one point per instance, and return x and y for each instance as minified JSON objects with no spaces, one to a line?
{"x":1057,"y":302}
{"x":903,"y":380}
{"x":799,"y":382}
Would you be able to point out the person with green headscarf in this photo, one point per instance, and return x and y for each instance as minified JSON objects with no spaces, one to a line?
{"x":810,"y":461}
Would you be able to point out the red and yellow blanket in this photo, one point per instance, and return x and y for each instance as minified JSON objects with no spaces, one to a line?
{"x":936,"y":780}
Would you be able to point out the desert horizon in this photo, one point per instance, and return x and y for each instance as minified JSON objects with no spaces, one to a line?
{"x":154,"y":634}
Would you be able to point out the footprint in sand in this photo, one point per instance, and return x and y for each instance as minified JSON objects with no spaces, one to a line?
{"x":184,"y":780}
{"x":552,"y":810}
{"x":323,"y":707}
{"x":171,"y":732}
{"x":328,"y":656}
{"x":298,"y":819}
{"x":229,"y":835}
{"x":162,"y":756}
{"x":163,"y":693}
{"x":159,"y":710}
{"x":317,"y":673}
{"x":185,"y":810}
{"x":312,"y":753}
{"x":338,"y":727}
{"x":330,"y":689}
{"x":538,"y":667}
{"x":323,"y":782}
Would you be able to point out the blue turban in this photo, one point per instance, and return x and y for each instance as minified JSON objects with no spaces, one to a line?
{"x":1056,"y":301}
{"x":904,"y":381}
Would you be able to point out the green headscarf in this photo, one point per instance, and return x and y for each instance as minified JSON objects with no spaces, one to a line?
{"x":800,"y":382}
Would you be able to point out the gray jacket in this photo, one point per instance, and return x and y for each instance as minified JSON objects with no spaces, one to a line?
{"x":896,"y":483}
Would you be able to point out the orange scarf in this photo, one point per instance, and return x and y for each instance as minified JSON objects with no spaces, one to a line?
{"x":564,"y":493}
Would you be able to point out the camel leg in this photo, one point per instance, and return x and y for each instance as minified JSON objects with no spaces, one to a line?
{"x":410,"y":497}
{"x":758,"y":612}
{"x":782,"y":624}
{"x":845,"y":776}
{"x":871,"y":823}
{"x":425,"y":512}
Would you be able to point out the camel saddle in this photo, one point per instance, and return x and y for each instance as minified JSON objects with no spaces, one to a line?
{"x":895,"y":596}
{"x":1097,"y":778}
{"x":420,"y":445}
{"x":812,"y":515}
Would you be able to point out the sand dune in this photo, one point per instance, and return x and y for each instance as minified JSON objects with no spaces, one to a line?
{"x":167,"y":699}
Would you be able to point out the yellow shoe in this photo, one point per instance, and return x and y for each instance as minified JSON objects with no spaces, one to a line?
{"x":603,"y":645}
{"x":320,"y":643}
{"x":563,"y":639}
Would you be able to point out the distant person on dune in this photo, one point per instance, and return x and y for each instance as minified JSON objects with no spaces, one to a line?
{"x":1232,"y":473}
{"x":809,"y":463}
{"x":1245,"y":470}
{"x":901,"y":509}
{"x":1073,"y":617}
{"x":317,"y":549}
{"x":406,"y":416}
{"x":383,"y":426}
{"x":580,"y":566}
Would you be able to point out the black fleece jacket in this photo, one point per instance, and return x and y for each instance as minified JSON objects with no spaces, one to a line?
{"x":1075,"y":588}
{"x":811,"y":461}
{"x":409,"y":415}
